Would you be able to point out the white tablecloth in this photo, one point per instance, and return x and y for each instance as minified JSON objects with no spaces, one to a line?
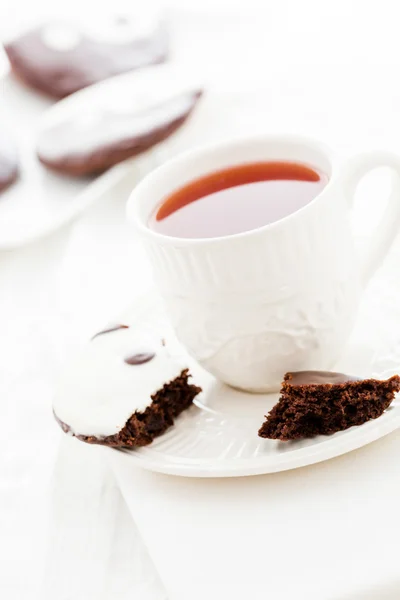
{"x":325,"y":532}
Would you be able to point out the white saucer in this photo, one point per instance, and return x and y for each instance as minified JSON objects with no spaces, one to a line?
{"x":217,"y":437}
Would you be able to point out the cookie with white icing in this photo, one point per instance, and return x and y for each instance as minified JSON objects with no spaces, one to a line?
{"x":123,"y":390}
{"x":8,"y":161}
{"x":62,"y":57}
{"x":118,"y":119}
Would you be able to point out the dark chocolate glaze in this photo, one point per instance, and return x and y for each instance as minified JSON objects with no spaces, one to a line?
{"x":140,"y":358}
{"x":110,"y":329}
{"x":318,"y":378}
{"x":60,"y":73}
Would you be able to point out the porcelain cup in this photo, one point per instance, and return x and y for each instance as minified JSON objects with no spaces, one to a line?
{"x":252,"y":306}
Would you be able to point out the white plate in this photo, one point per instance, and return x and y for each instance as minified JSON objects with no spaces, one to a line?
{"x":42,"y":201}
{"x":218,"y":436}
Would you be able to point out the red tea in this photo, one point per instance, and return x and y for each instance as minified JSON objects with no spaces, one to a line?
{"x":237,"y":199}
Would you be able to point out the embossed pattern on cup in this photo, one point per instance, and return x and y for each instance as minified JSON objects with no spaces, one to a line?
{"x":251,"y":306}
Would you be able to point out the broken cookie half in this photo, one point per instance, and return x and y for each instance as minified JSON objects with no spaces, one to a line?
{"x":123,"y":390}
{"x":322,"y":402}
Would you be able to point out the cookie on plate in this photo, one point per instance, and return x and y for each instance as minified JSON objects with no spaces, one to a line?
{"x":62,"y":57}
{"x":115,"y":120}
{"x":321,"y":403}
{"x":8,"y":161}
{"x":123,"y":390}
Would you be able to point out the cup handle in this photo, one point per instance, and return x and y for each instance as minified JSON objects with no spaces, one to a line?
{"x":389,"y":225}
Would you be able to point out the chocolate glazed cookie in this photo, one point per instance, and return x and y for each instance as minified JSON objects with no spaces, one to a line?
{"x":143,"y":427}
{"x":124,"y":389}
{"x":60,"y":58}
{"x":322,"y":403}
{"x":94,"y":138}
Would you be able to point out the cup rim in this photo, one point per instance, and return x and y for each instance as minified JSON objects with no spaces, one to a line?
{"x":143,"y":189}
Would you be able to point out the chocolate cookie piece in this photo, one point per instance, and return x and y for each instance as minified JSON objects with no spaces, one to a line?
{"x":123,"y":390}
{"x":60,"y":58}
{"x":91,"y":137}
{"x":321,"y":403}
{"x":143,"y":427}
{"x":8,"y":161}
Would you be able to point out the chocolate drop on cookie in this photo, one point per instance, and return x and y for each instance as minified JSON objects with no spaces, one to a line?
{"x":318,"y":378}
{"x":110,"y":329}
{"x":140,"y":358}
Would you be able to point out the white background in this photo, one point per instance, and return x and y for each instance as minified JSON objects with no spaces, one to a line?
{"x":332,"y":67}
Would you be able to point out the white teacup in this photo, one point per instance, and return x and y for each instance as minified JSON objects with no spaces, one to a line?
{"x":251,"y":306}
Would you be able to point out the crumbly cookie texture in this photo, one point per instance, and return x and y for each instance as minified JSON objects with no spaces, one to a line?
{"x":321,"y":403}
